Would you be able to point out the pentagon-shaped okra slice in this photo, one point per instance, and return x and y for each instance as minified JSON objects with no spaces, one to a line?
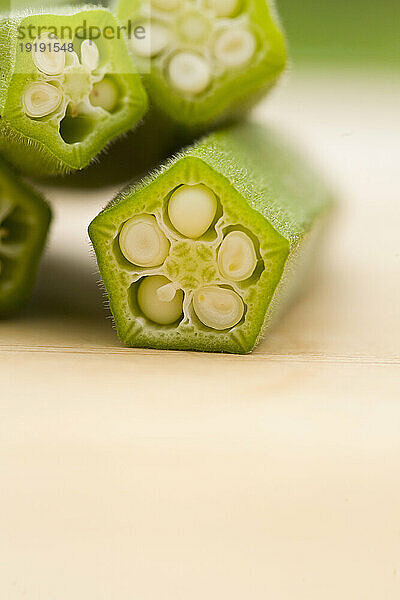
{"x":68,"y":87}
{"x":24,"y":223}
{"x":201,"y":254}
{"x":204,"y":60}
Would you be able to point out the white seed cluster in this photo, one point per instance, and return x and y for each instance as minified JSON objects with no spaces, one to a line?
{"x":194,"y":44}
{"x":146,"y":241}
{"x":66,"y":83}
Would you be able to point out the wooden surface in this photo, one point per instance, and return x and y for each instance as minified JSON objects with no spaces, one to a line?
{"x":151,"y":475}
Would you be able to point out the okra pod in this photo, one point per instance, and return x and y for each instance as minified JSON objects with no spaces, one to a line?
{"x":201,"y":254}
{"x":68,"y":87}
{"x":204,"y":61}
{"x":24,"y":223}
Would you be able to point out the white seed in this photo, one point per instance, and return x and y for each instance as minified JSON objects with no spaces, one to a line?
{"x":155,"y":309}
{"x":41,"y":99}
{"x":50,"y":61}
{"x":235,"y":47}
{"x":167,"y":292}
{"x":156,"y":39}
{"x":142,"y":242}
{"x":217,"y":307}
{"x":89,"y":55}
{"x":72,"y":59}
{"x":224,"y":8}
{"x":104,"y":94}
{"x":166,"y":5}
{"x":189,"y":73}
{"x":194,"y":27}
{"x":236,"y":257}
{"x":192,"y":209}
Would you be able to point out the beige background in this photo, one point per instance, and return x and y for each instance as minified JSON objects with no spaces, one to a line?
{"x":151,"y":475}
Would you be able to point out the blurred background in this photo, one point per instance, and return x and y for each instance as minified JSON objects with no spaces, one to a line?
{"x":343,"y":32}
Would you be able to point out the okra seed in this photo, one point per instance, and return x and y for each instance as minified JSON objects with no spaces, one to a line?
{"x":160,"y":311}
{"x":50,"y":61}
{"x":217,"y":307}
{"x":41,"y":99}
{"x":155,"y":40}
{"x":234,"y":47}
{"x":192,"y":209}
{"x":224,"y":8}
{"x":89,"y":55}
{"x":167,"y":292}
{"x":166,"y":5}
{"x":142,"y":242}
{"x":236,"y":257}
{"x":189,"y":73}
{"x":194,"y":27}
{"x":104,"y":94}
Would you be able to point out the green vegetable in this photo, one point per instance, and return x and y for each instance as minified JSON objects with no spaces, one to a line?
{"x":64,"y":96}
{"x":241,"y":213}
{"x":24,"y":223}
{"x":202,"y":63}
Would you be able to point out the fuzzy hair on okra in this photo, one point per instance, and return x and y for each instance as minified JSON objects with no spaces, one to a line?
{"x":24,"y":223}
{"x":204,"y":61}
{"x":68,"y":87}
{"x":206,"y":251}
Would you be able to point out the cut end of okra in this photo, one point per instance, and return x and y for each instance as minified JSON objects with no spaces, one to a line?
{"x":199,"y":257}
{"x":65,"y":94}
{"x":208,"y":59}
{"x":24,"y":223}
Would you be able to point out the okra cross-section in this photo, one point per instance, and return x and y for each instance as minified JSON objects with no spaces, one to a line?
{"x":202,"y":253}
{"x":206,"y":60}
{"x":68,"y":87}
{"x":24,"y":223}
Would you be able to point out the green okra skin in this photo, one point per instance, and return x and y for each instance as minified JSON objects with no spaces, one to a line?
{"x":205,"y":252}
{"x":24,"y":223}
{"x":204,"y":62}
{"x":64,"y":96}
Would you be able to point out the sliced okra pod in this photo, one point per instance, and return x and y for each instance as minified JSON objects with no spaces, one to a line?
{"x":68,"y":87}
{"x":24,"y":223}
{"x":202,"y":253}
{"x":204,"y":61}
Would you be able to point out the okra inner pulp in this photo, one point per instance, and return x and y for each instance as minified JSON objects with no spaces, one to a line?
{"x":168,"y":249}
{"x":69,"y":86}
{"x":193,"y":45}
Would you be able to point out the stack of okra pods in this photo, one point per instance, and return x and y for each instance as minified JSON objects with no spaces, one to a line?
{"x":203,"y":252}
